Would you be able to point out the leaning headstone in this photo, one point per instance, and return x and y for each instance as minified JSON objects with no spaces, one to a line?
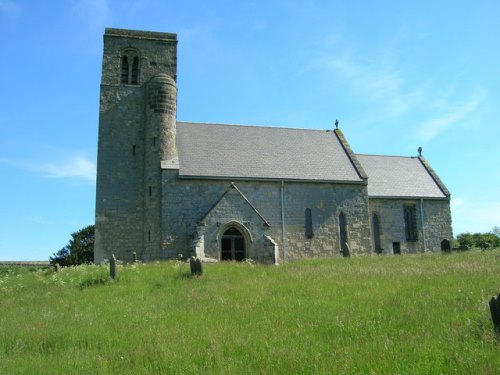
{"x":346,"y":251}
{"x":112,"y":266}
{"x":495,"y":313}
{"x":134,"y":257}
{"x":57,"y":267}
{"x":196,"y":267}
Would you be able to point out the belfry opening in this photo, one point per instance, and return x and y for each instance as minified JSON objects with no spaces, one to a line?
{"x":232,"y":245}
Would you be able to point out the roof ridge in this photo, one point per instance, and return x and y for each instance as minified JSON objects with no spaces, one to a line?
{"x":389,"y":156}
{"x":252,"y":126}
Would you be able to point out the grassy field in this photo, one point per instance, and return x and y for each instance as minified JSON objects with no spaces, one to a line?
{"x":410,"y":314}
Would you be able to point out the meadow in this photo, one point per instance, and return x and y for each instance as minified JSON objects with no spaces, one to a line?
{"x":410,"y":314}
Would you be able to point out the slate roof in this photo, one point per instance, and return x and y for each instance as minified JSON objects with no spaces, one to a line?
{"x":402,"y":177}
{"x":256,"y":152}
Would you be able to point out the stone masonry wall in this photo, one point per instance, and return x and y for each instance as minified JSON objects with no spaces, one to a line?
{"x":187,"y":201}
{"x":437,"y":223}
{"x":326,"y":202}
{"x":119,"y":192}
{"x":157,"y":54}
{"x":128,"y":192}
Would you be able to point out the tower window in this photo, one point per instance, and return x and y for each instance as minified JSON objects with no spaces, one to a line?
{"x":130,"y":67}
{"x":125,"y":69}
{"x":135,"y":71}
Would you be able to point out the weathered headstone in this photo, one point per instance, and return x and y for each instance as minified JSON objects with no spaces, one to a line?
{"x":446,"y":246}
{"x":57,"y":267}
{"x":345,"y":250}
{"x":196,"y":267}
{"x":134,"y":257}
{"x":112,"y":266}
{"x":495,"y":313}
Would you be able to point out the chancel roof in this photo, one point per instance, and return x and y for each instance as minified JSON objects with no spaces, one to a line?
{"x":256,"y":152}
{"x":404,"y":177}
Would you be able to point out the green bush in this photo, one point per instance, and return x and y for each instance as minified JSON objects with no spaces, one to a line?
{"x":80,"y":249}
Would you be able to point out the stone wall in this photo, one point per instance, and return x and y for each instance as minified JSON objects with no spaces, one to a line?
{"x":194,"y":208}
{"x":436,"y":223}
{"x":128,"y":193}
{"x":157,"y":54}
{"x":120,"y":161}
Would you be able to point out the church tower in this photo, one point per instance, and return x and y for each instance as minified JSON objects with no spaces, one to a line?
{"x":137,"y":133}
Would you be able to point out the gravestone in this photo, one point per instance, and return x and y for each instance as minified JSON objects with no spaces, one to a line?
{"x":446,"y":246}
{"x":196,"y":267}
{"x":112,"y":266}
{"x":346,"y":252}
{"x":57,"y":267}
{"x":495,"y":313}
{"x":134,"y":257}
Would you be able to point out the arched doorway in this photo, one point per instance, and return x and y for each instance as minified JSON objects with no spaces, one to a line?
{"x":232,"y":245}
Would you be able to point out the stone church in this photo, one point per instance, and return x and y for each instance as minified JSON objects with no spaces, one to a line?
{"x":232,"y":192}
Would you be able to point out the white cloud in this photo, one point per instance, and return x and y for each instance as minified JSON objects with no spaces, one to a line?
{"x":78,"y":167}
{"x":377,"y":82}
{"x":75,"y":166}
{"x":443,"y":121}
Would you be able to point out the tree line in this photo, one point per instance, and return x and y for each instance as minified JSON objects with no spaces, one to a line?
{"x":479,"y":240}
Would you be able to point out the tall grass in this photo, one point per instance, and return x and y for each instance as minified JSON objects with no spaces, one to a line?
{"x":411,"y":314}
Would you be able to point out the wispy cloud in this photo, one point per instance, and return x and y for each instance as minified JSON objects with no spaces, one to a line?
{"x":76,"y":166}
{"x":444,"y":120}
{"x":384,"y":83}
{"x":9,"y":10}
{"x":378,"y":82}
{"x":94,"y":14}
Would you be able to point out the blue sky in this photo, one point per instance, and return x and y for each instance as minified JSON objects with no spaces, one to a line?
{"x":397,"y":75}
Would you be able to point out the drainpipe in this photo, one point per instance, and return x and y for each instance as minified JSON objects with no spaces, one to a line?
{"x":283,"y":235}
{"x":422,"y":219}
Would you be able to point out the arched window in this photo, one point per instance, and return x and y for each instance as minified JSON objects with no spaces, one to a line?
{"x":376,"y":233}
{"x":344,"y":247}
{"x":130,"y":67}
{"x":309,"y":223}
{"x":410,"y":216}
